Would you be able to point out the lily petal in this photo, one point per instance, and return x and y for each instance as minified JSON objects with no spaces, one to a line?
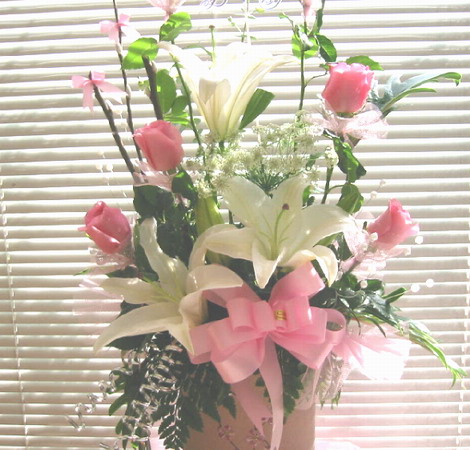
{"x":135,"y":291}
{"x":171,"y":271}
{"x":263,"y":266}
{"x":235,"y":243}
{"x":148,"y":319}
{"x":325,"y":257}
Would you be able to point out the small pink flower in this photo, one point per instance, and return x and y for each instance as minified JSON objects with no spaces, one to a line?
{"x":112,"y":28}
{"x":108,"y":227}
{"x":169,"y":6}
{"x":393,"y":226}
{"x":96,"y":79}
{"x":162,"y":144}
{"x":348,"y":87}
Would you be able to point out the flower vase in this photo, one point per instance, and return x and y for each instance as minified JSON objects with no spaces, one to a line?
{"x":239,"y":433}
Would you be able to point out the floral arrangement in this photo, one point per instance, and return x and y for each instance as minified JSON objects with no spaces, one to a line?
{"x":241,"y":263}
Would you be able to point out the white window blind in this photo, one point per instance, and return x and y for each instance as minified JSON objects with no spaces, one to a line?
{"x":57,"y":160}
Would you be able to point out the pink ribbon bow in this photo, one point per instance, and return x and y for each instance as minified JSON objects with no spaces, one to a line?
{"x":245,"y":341}
{"x":87,"y":84}
{"x":379,"y":357}
{"x":112,"y":29}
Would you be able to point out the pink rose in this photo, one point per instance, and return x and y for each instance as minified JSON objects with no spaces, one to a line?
{"x":162,"y":144}
{"x":348,"y":87}
{"x":393,"y":226}
{"x":107,"y":227}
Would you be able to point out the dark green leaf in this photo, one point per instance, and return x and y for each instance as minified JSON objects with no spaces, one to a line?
{"x":176,"y":24}
{"x":327,"y":48}
{"x":351,"y":199}
{"x":122,"y":400}
{"x":257,"y":104}
{"x":183,"y":184}
{"x":395,"y":295}
{"x":142,"y":47}
{"x":365,"y":61}
{"x":348,"y":163}
{"x":319,"y":18}
{"x":166,"y":89}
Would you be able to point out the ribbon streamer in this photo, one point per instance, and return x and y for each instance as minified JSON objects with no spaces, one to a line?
{"x":245,"y":341}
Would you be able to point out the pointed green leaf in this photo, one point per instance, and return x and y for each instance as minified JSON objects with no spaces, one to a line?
{"x":348,"y":163}
{"x":327,"y":48}
{"x":142,"y":47}
{"x":257,"y":104}
{"x":351,"y":199}
{"x":166,"y":89}
{"x":365,"y":61}
{"x":176,"y":24}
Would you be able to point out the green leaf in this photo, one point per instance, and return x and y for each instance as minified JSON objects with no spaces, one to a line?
{"x":143,"y":47}
{"x":257,"y":104}
{"x":395,"y":295}
{"x":348,"y":163}
{"x":396,"y":89}
{"x":365,"y":61}
{"x":183,"y":184}
{"x":303,"y":45}
{"x":180,"y":104}
{"x":327,"y":48}
{"x":176,"y":24}
{"x":351,"y":199}
{"x":166,"y":89}
{"x":122,"y":400}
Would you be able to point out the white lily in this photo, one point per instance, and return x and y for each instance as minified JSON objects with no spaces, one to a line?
{"x":174,"y":303}
{"x":278,"y":231}
{"x":222,"y":88}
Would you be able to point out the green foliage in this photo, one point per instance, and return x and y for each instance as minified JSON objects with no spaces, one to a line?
{"x":351,"y":199}
{"x":327,"y":48}
{"x":143,"y":47}
{"x":304,"y":45}
{"x":176,"y":231}
{"x":347,"y":163}
{"x":292,"y":372}
{"x":365,"y":61}
{"x":396,"y":89}
{"x":176,"y":24}
{"x":257,"y":104}
{"x":183,"y":184}
{"x":166,"y":89}
{"x":178,"y":114}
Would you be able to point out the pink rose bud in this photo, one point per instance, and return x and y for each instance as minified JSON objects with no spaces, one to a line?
{"x":348,"y":87}
{"x":393,"y":226}
{"x":162,"y":144}
{"x":308,"y":7}
{"x":107,"y":227}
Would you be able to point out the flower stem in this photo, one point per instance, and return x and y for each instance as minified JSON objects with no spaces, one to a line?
{"x":329,"y":173}
{"x":190,"y":107}
{"x":130,"y":122}
{"x":303,"y":84}
{"x":117,"y":138}
{"x":152,"y":76}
